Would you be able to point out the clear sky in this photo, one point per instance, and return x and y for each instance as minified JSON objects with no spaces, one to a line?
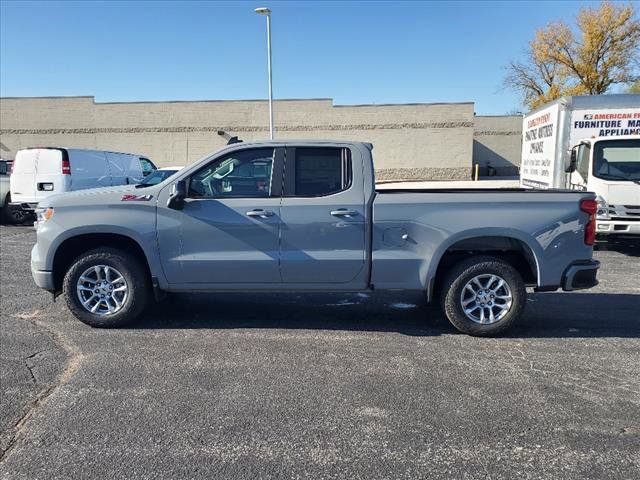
{"x":353,"y":52}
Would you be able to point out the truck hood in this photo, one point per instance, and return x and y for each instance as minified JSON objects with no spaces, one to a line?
{"x":102,"y":196}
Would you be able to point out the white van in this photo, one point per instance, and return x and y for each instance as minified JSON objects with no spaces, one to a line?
{"x":40,"y":172}
{"x":5,"y":168}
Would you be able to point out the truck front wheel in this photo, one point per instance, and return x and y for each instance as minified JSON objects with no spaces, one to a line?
{"x":106,"y":287}
{"x":483,"y":296}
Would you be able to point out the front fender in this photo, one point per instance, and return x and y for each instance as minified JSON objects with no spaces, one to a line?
{"x":135,"y":224}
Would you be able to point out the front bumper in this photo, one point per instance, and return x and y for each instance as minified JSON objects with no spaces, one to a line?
{"x":580,"y":275}
{"x":618,"y":226}
{"x":43,"y":279}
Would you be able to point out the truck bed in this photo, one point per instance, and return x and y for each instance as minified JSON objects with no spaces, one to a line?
{"x":470,"y":190}
{"x":487,"y":183}
{"x":413,"y":226}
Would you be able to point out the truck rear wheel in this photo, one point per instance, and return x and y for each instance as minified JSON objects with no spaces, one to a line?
{"x":483,"y":296}
{"x":106,"y":288}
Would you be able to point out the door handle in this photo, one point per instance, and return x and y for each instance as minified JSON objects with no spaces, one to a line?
{"x":343,"y":212}
{"x":258,"y":212}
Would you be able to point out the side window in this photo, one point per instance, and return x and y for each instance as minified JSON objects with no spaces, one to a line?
{"x":245,"y":173}
{"x":3,"y":168}
{"x":321,"y":171}
{"x":583,"y":160}
{"x":147,"y":166}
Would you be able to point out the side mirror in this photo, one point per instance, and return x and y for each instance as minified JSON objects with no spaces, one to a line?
{"x":177,"y":195}
{"x":573,"y":160}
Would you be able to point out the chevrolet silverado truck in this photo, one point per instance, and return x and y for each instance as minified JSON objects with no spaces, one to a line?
{"x":306,"y":216}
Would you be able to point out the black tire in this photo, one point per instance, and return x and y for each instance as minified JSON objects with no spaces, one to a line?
{"x":135,"y":275}
{"x":465,"y":271}
{"x":14,"y":215}
{"x":5,"y":215}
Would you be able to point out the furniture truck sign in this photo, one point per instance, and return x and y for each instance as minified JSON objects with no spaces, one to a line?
{"x":603,"y":123}
{"x":539,"y":148}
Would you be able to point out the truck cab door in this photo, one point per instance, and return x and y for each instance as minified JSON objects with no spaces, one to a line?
{"x":227,"y":232}
{"x":323,"y":218}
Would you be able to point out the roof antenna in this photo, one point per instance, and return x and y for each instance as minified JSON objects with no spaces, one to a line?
{"x":230,"y":140}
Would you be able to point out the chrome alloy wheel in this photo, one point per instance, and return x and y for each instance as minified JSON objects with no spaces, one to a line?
{"x":486,"y":299}
{"x":102,"y":290}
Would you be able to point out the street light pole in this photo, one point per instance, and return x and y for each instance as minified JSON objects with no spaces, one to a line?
{"x":265,"y":11}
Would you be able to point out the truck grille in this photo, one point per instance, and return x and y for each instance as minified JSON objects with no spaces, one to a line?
{"x":625,"y":212}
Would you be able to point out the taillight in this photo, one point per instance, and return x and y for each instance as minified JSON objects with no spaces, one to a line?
{"x":66,"y":167}
{"x":590,"y":207}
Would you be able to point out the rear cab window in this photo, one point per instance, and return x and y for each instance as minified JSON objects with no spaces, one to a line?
{"x":317,"y":171}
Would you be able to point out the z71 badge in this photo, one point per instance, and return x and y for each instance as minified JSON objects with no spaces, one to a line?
{"x":130,"y":197}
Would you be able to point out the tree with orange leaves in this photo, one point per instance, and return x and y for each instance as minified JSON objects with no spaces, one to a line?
{"x":603,"y":51}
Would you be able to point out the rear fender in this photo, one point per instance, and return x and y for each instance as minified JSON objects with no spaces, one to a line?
{"x":535,"y":250}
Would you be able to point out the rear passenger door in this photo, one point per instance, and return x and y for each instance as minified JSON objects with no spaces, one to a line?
{"x":323,"y":218}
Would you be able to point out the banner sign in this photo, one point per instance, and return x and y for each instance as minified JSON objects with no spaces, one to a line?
{"x":604,"y":123}
{"x":539,"y":148}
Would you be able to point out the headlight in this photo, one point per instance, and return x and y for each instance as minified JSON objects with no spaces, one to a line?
{"x":603,"y":208}
{"x":44,"y":214}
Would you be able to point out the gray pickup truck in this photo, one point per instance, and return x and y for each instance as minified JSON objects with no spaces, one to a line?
{"x":306,"y":216}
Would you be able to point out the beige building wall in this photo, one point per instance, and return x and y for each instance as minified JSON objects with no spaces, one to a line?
{"x":497,"y":141}
{"x":411,"y":141}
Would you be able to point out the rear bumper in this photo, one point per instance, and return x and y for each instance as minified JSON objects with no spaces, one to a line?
{"x":24,"y":206}
{"x":580,"y":275}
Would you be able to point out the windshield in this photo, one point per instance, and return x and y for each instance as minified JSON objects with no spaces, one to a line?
{"x":157,"y":177}
{"x":617,"y":160}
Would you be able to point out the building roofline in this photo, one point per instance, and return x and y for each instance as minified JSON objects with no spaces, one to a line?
{"x":412,"y":104}
{"x":46,"y":97}
{"x":321,"y":99}
{"x":516,"y":115}
{"x":220,"y":101}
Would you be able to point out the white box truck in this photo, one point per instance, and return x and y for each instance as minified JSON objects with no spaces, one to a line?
{"x":588,"y":143}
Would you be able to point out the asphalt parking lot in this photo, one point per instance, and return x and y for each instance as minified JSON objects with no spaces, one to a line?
{"x":320,"y":386}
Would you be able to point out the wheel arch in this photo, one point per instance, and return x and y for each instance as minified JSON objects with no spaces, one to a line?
{"x":74,"y":246}
{"x":514,"y":247}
